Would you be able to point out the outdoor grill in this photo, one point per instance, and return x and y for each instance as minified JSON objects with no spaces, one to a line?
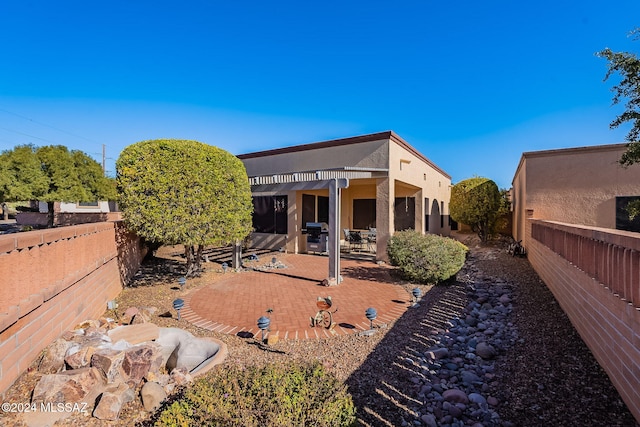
{"x":317,"y":236}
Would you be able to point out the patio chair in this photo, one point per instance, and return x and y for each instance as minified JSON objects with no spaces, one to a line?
{"x":372,"y":235}
{"x":353,"y":238}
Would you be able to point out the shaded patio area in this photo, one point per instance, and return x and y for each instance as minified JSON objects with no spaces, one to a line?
{"x":234,"y":304}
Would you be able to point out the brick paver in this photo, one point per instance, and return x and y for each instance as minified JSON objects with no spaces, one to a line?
{"x":234,"y":304}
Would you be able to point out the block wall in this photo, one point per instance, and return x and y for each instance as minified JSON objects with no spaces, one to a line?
{"x":50,"y":280}
{"x":609,"y":324}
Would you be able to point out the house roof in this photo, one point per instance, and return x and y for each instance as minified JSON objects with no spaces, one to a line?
{"x":390,"y":135}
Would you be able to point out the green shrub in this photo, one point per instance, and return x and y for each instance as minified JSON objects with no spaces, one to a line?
{"x":274,"y":395}
{"x":426,"y":258}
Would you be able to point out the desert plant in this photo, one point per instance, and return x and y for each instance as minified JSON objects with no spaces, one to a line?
{"x":290,"y":394}
{"x":426,"y":258}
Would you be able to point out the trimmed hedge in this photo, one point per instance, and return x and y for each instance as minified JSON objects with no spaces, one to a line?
{"x":290,"y":394}
{"x":427,"y":258}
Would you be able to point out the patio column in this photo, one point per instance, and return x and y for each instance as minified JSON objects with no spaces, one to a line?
{"x":333,"y":245}
{"x":385,"y":195}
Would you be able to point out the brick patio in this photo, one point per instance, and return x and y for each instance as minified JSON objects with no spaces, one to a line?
{"x":234,"y":304}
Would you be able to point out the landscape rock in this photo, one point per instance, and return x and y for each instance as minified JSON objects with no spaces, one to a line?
{"x":112,"y":400}
{"x":139,"y":360}
{"x":89,"y":324}
{"x":135,"y":334}
{"x":438,"y":353}
{"x":109,"y":406}
{"x":52,"y":360}
{"x":486,"y":351}
{"x":79,"y":355}
{"x":109,"y":363}
{"x":129,"y":314}
{"x":180,"y":376}
{"x":455,"y":395}
{"x":105,"y":369}
{"x":140,"y":318}
{"x":68,"y":387}
{"x":429,"y":420}
{"x":152,"y":394}
{"x":478,"y":399}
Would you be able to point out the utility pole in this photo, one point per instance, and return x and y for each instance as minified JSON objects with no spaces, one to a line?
{"x":104,"y":156}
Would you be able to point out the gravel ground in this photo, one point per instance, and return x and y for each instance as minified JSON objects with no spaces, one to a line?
{"x":547,"y":377}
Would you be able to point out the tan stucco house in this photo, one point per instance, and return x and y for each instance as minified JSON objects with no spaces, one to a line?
{"x":371,"y":183}
{"x":584,"y":185}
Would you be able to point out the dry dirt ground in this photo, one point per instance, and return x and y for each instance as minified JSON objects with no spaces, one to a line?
{"x":549,"y":378}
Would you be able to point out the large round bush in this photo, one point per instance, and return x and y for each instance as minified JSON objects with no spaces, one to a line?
{"x":427,"y":258}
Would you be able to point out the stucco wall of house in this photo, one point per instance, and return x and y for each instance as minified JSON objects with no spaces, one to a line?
{"x":576,"y":186}
{"x":413,"y":177}
{"x":518,"y":202}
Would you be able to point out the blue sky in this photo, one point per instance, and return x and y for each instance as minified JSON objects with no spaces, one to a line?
{"x":470,"y":84}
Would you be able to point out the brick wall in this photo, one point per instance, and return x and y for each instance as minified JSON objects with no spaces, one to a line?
{"x":608,"y":323}
{"x":50,"y":280}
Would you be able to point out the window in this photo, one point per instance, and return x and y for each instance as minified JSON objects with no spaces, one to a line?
{"x":309,"y":212}
{"x":426,"y":214}
{"x":323,"y":209}
{"x":364,"y":214}
{"x":404,"y":213}
{"x":623,"y":222}
{"x":270,"y":214}
{"x":308,"y":209}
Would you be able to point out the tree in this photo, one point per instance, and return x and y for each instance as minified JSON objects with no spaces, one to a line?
{"x":72,"y":176}
{"x":184,"y":192}
{"x":476,"y":202}
{"x":628,"y":66}
{"x":52,"y":174}
{"x":21,"y":175}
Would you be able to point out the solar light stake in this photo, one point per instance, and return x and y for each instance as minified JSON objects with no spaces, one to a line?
{"x":224,"y":267}
{"x":263,"y":324}
{"x":371,"y":314}
{"x":417,"y":293}
{"x":182,"y":281}
{"x":178,"y":304}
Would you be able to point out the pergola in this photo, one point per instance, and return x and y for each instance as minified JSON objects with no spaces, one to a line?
{"x":334,"y":185}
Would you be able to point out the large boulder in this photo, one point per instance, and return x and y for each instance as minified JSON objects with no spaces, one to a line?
{"x":69,"y":386}
{"x":109,"y":363}
{"x":139,"y":360}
